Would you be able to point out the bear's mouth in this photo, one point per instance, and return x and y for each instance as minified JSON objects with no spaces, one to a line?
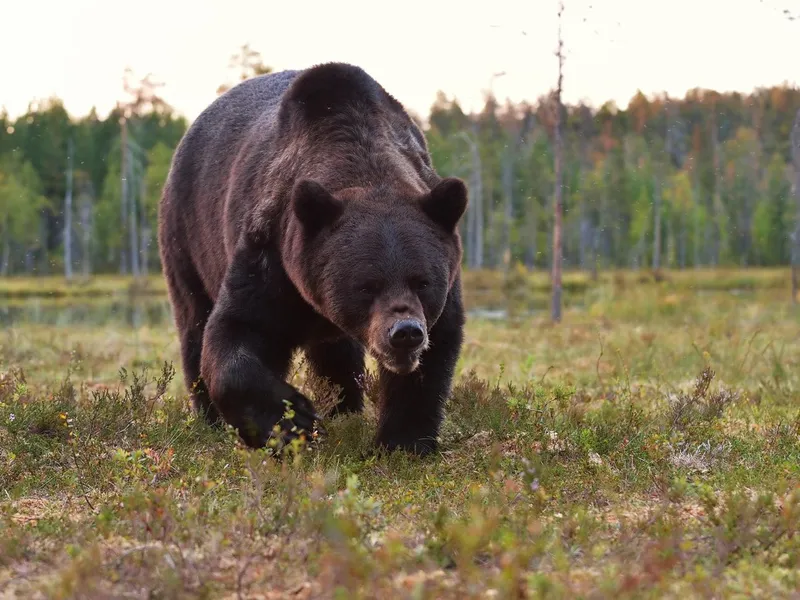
{"x":400,"y":363}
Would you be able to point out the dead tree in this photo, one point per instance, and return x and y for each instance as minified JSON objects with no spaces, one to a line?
{"x":520,"y":143}
{"x":716,"y":199}
{"x":556,"y":275}
{"x":68,"y":214}
{"x":585,"y":227}
{"x":796,"y":233}
{"x":146,"y":232}
{"x":661,"y":173}
{"x":144,"y":99}
{"x":123,"y":204}
{"x":477,"y":174}
{"x":5,"y":261}
{"x":508,"y":206}
{"x":475,"y":208}
{"x":131,"y":175}
{"x":85,"y":208}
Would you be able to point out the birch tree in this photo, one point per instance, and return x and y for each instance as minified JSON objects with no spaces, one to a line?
{"x":796,"y":233}
{"x":475,"y":207}
{"x":68,"y":212}
{"x":520,"y":145}
{"x":123,"y":204}
{"x":717,"y":210}
{"x":558,"y":168}
{"x":85,"y":211}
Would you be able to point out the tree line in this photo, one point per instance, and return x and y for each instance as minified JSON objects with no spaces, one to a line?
{"x":82,"y":194}
{"x":704,"y":180}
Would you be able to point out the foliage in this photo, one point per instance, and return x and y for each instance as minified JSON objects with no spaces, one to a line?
{"x":21,"y":202}
{"x":718,"y":162}
{"x":649,"y":447}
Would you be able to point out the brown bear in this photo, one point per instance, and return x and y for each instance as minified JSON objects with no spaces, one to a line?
{"x":302,"y":211}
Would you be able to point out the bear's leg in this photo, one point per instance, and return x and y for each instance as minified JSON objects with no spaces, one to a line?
{"x":342,"y":363}
{"x":412,"y":406}
{"x":256,"y":324}
{"x":191,"y":306}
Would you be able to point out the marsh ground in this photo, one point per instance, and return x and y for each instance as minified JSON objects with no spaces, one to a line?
{"x":647,"y":446}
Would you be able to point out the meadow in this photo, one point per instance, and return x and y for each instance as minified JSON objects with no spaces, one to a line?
{"x":647,"y":446}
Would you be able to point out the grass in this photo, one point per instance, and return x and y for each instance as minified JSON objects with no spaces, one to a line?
{"x":57,"y":287}
{"x":483,"y":283}
{"x":648,"y":446}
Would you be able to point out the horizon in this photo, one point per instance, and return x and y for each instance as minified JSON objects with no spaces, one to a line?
{"x":612,"y":51}
{"x":594,"y":106}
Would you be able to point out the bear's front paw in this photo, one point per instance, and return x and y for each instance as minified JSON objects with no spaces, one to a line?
{"x":418,"y":446}
{"x":276,"y":426}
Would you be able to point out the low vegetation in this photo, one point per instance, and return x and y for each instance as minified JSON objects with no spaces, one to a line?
{"x":648,"y":446}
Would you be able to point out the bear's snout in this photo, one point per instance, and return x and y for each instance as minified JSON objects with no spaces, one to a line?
{"x":398,"y":343}
{"x":407,"y":335}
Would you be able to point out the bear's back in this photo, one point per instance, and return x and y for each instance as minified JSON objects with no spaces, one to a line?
{"x":241,"y":145}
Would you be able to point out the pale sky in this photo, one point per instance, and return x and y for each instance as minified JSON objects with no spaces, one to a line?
{"x":78,"y":49}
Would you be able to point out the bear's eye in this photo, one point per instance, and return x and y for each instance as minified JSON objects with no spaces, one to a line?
{"x":419,"y":283}
{"x":370,"y":288}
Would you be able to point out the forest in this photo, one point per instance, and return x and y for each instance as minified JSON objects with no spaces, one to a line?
{"x":703,"y":180}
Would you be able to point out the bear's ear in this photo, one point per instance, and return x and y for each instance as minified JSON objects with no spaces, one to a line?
{"x":446,"y":203}
{"x":315,"y":206}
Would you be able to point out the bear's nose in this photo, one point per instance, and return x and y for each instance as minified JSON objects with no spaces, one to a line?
{"x":406,"y":335}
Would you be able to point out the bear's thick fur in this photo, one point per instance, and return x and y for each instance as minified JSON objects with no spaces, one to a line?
{"x":302,"y":211}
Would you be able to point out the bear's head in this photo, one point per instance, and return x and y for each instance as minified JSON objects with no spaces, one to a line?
{"x":377,"y":263}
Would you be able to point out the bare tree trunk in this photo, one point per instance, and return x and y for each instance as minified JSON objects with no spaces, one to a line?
{"x":753,"y":191}
{"x":548,"y":258}
{"x":757,"y":182}
{"x":469,"y":241}
{"x":489,"y":233}
{"x":716,"y":198}
{"x":584,"y":241}
{"x":478,"y":198}
{"x":145,"y":237}
{"x":145,"y":249}
{"x":671,"y":243}
{"x":475,"y":207}
{"x":85,"y":209}
{"x":584,"y":222}
{"x":123,"y":255}
{"x":556,"y":276}
{"x":585,"y":225}
{"x":708,"y":241}
{"x":469,"y":226}
{"x":4,"y":265}
{"x":44,"y":263}
{"x":682,"y":241}
{"x":696,"y":225}
{"x":662,"y":173}
{"x":532,"y":226}
{"x":603,"y":242}
{"x":68,"y":214}
{"x":508,"y":200}
{"x":657,"y":224}
{"x":133,"y":228}
{"x":796,"y":235}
